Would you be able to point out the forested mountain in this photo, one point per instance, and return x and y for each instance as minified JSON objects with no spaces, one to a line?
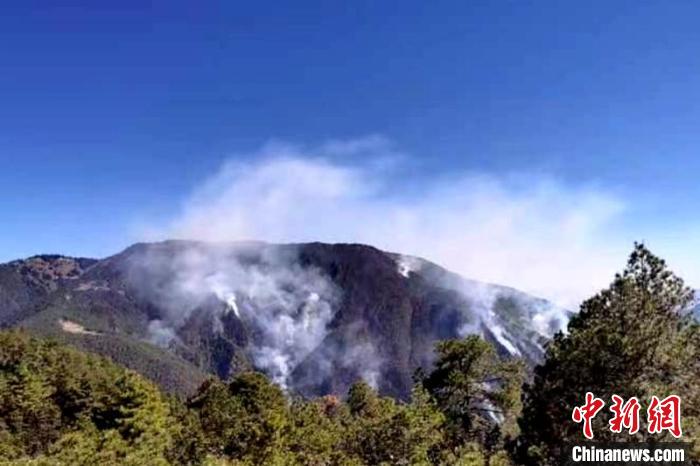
{"x":59,"y":406}
{"x":632,"y":339}
{"x":474,"y":406}
{"x":314,"y":317}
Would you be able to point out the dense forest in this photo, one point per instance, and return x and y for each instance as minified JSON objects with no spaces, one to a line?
{"x":60,"y":406}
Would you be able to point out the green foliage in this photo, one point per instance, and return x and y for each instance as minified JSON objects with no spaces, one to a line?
{"x":244,"y":419}
{"x":477,"y":391}
{"x":60,"y":406}
{"x":321,"y":434}
{"x":167,"y":370}
{"x":631,"y":339}
{"x":189,"y":441}
{"x":382,"y":431}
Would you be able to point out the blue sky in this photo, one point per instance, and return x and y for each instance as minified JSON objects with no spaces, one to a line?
{"x":114,"y":115}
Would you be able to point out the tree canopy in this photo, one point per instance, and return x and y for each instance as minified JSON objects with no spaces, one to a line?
{"x":60,"y":406}
{"x":633,"y":339}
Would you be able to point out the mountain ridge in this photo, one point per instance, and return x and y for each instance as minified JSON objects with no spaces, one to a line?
{"x":313,"y":316}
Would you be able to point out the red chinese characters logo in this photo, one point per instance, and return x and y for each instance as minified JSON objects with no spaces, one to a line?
{"x":626,"y":415}
{"x":665,"y":415}
{"x":587,"y":412}
{"x":662,"y":415}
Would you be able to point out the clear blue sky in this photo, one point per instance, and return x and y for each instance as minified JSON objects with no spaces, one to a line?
{"x":115,"y":111}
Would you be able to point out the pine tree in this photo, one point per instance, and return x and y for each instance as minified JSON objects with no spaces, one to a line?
{"x":243,"y":420}
{"x":478,"y":393}
{"x":60,"y":406}
{"x":631,"y":339}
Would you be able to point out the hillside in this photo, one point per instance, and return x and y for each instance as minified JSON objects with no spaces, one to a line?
{"x":62,"y":406}
{"x":315,"y":317}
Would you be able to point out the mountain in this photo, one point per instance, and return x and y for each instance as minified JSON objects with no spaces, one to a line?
{"x":315,"y":317}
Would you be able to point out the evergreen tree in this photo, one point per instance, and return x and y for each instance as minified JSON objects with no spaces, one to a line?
{"x":60,"y":406}
{"x":243,"y":420}
{"x":631,"y":339}
{"x":385,"y":432}
{"x":478,"y":392}
{"x":317,"y":433}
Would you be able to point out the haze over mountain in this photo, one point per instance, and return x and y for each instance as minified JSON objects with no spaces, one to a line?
{"x":315,"y":317}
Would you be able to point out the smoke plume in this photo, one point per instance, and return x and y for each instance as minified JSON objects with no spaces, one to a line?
{"x":287,"y":306}
{"x":525,"y":231}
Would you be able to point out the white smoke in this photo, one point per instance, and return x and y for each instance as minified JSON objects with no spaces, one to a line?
{"x":161,"y":333}
{"x":561,"y":241}
{"x":408,"y":264}
{"x":506,"y":314}
{"x":287,"y":306}
{"x":364,"y":358}
{"x":482,"y":299}
{"x":527,"y":231}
